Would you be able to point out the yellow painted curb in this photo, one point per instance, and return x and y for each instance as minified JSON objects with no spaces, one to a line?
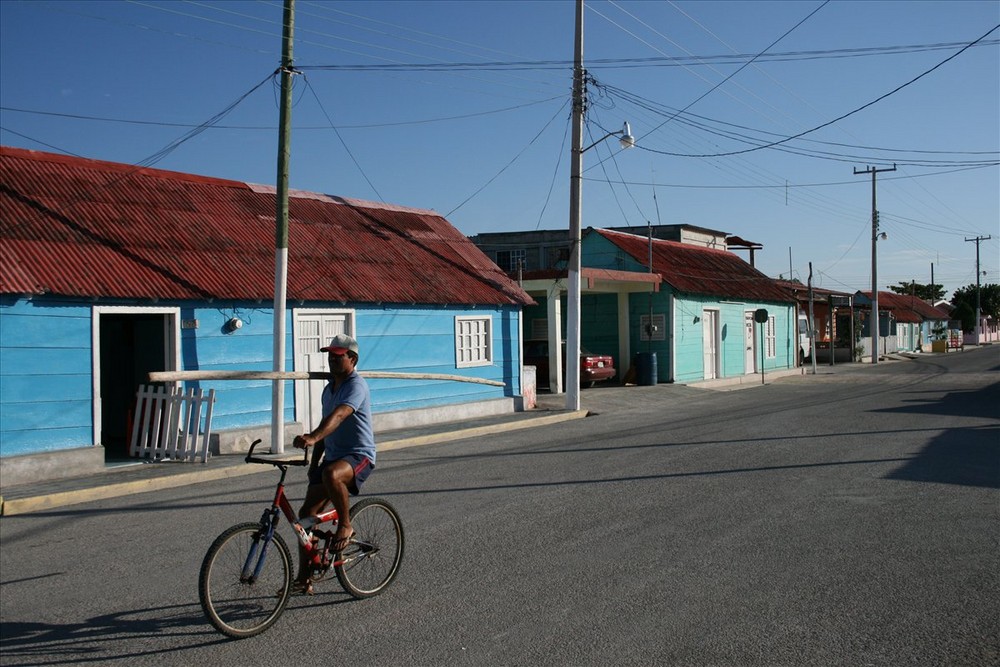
{"x":12,"y":506}
{"x":481,"y":430}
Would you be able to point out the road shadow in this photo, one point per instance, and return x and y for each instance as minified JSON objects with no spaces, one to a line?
{"x":131,"y":634}
{"x":968,"y":456}
{"x":964,"y":456}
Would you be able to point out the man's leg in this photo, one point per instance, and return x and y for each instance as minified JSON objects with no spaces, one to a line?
{"x":336,"y":478}
{"x":316,"y":500}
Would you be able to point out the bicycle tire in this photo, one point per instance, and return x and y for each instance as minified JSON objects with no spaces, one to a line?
{"x":371,"y":561}
{"x":237,"y":608}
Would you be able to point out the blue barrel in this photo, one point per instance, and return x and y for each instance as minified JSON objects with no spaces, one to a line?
{"x":646,"y":369}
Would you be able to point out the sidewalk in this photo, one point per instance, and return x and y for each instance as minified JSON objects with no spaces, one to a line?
{"x":131,"y":478}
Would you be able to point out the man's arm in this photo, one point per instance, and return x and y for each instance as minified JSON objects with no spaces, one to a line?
{"x":325,"y":428}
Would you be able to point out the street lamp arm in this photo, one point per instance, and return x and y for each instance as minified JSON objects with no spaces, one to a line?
{"x":627,"y":140}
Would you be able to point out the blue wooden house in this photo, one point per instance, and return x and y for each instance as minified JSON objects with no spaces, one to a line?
{"x":907,"y":324}
{"x":110,"y":271}
{"x":693,"y":308}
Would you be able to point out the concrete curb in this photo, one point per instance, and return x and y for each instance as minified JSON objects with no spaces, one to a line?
{"x":481,"y":430}
{"x":117,"y":489}
{"x":43,"y":501}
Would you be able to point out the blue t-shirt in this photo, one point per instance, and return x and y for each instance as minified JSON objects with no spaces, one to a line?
{"x":354,"y":435}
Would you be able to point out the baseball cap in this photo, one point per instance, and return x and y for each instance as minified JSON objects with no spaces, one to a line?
{"x":340,"y":344}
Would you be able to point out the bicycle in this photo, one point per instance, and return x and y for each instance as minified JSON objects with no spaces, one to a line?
{"x":246,"y":576}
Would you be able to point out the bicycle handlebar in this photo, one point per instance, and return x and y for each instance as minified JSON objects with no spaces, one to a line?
{"x":280,"y":463}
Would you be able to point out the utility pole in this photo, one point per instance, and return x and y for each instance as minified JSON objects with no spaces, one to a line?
{"x":575,"y":210}
{"x":874,"y":319}
{"x":281,"y":229}
{"x":812,"y":329}
{"x":979,"y":328}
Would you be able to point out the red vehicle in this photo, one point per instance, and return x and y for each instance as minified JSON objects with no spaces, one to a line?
{"x":594,"y":368}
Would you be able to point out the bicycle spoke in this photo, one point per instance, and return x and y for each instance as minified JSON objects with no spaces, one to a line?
{"x":372,"y":560}
{"x":236,"y":605}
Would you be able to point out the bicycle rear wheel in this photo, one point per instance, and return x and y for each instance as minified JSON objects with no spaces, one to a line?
{"x":371,"y":561}
{"x":243,"y":606}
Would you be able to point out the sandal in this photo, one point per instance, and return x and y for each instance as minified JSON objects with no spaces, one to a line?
{"x":343,"y":543}
{"x":299,"y":588}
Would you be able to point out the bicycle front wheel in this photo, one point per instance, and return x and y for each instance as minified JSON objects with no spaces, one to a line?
{"x":371,"y":561}
{"x":245,"y":581}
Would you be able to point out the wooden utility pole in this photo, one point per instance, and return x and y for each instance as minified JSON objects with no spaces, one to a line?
{"x":281,"y":230}
{"x":874,"y":320}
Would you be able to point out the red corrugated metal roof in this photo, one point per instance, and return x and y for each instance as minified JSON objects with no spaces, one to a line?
{"x":694,"y":269}
{"x":78,"y":227}
{"x":907,"y":308}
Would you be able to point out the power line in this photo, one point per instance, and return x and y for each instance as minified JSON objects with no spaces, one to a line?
{"x":657,"y":61}
{"x":272,"y":128}
{"x":835,"y":120}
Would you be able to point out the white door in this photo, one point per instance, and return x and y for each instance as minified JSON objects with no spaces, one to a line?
{"x":710,"y":337}
{"x":750,"y":365}
{"x":313,"y":330}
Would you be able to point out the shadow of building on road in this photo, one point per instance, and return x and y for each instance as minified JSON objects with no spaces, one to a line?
{"x":968,"y":456}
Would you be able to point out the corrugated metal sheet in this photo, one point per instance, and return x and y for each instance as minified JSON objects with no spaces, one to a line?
{"x":907,"y":308}
{"x":694,"y":269}
{"x":77,"y":227}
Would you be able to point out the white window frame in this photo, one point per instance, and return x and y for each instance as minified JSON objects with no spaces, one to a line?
{"x":511,"y":257}
{"x":473,"y":341}
{"x":770,"y":338}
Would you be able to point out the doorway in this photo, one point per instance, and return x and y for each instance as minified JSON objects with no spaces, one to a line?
{"x":750,"y":356}
{"x":710,"y":340}
{"x":131,"y":346}
{"x":314,"y":329}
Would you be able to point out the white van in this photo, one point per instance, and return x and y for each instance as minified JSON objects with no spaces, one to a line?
{"x":805,"y":347}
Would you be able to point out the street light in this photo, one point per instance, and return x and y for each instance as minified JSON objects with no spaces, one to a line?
{"x":576,"y":202}
{"x":575,"y":205}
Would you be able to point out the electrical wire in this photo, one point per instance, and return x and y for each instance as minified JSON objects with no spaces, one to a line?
{"x":513,"y":160}
{"x":343,"y":143}
{"x":835,"y":120}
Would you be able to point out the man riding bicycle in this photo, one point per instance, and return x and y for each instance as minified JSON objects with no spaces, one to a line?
{"x":344,"y":452}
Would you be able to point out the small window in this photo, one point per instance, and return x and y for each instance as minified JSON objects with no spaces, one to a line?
{"x":510,"y":260}
{"x":473,"y":341}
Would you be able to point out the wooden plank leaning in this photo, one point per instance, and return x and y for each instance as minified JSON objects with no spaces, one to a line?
{"x":190,"y":376}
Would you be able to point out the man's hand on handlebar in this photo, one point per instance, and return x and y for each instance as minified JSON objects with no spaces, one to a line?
{"x":304,"y":441}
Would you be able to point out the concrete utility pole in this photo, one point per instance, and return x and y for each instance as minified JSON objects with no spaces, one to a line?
{"x":874,"y":320}
{"x":575,"y":208}
{"x":281,"y":230}
{"x":812,"y":328}
{"x":979,"y":328}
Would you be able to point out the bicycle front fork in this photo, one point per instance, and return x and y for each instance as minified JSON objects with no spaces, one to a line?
{"x":258,"y":550}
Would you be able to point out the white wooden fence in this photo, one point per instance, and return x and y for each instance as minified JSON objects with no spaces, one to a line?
{"x":168,"y":421}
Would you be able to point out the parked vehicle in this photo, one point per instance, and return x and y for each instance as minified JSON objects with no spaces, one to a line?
{"x":594,"y":368}
{"x":805,"y":344}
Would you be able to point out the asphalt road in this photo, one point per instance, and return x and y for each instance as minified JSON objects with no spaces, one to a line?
{"x":837,"y":519}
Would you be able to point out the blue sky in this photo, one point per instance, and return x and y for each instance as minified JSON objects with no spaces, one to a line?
{"x":480,"y":131}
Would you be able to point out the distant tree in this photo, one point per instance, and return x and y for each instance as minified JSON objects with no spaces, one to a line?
{"x":967,"y":314}
{"x":930,"y":293}
{"x":989,"y":299}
